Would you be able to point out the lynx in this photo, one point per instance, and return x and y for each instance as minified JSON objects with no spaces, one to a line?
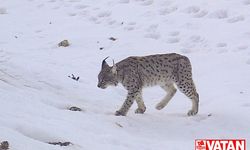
{"x":135,"y":73}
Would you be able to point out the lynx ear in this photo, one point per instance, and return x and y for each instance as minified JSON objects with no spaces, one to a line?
{"x":104,"y":63}
{"x":114,"y":68}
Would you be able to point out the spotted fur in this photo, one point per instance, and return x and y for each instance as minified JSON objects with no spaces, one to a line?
{"x":165,"y":70}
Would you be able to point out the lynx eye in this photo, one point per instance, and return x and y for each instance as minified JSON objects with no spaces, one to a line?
{"x":102,"y":81}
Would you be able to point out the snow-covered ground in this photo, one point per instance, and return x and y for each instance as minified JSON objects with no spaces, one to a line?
{"x":36,"y":92}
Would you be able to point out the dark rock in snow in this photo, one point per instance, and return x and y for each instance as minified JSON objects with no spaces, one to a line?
{"x":60,"y":143}
{"x":64,"y":43}
{"x":4,"y":145}
{"x":112,"y":39}
{"x":73,"y":108}
{"x":73,"y":77}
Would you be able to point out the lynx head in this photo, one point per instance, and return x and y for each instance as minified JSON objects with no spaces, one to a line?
{"x":107,"y":75}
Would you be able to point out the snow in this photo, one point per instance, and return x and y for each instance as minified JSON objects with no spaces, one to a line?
{"x":36,"y":91}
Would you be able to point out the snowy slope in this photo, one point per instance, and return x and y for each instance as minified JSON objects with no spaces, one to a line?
{"x":35,"y":91}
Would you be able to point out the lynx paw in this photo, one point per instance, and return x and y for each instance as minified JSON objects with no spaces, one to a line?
{"x":119,"y":113}
{"x":159,"y":106}
{"x":192,"y":112}
{"x":140,"y":110}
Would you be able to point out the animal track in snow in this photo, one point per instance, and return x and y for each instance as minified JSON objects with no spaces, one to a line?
{"x":165,"y":3}
{"x":201,"y":14}
{"x":72,"y":14}
{"x":81,"y":6}
{"x":130,"y":26}
{"x":247,"y":34}
{"x":174,"y":33}
{"x":155,"y":36}
{"x":246,"y":2}
{"x":173,"y":40}
{"x":146,"y":2}
{"x":51,"y":1}
{"x":123,"y":1}
{"x":152,"y":28}
{"x":219,"y":14}
{"x":236,"y":19}
{"x":3,"y":10}
{"x":132,"y":23}
{"x":222,"y":51}
{"x":95,"y":20}
{"x":74,"y":1}
{"x":191,"y":26}
{"x":246,"y":105}
{"x":196,"y":38}
{"x":242,"y":47}
{"x":165,"y":11}
{"x":84,"y":13}
{"x":111,"y":22}
{"x":40,"y":6}
{"x":192,"y":9}
{"x":56,"y":7}
{"x":103,"y":14}
{"x":152,"y":32}
{"x":3,"y":57}
{"x":221,"y":44}
{"x":195,"y":11}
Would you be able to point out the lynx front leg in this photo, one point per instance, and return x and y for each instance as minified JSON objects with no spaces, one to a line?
{"x":141,"y":106}
{"x":127,"y":104}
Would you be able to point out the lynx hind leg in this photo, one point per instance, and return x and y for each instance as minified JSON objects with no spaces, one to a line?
{"x":184,"y":82}
{"x":171,"y":90}
{"x":188,"y":88}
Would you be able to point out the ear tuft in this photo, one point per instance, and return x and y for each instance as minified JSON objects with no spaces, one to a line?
{"x":114,"y":68}
{"x":104,"y":63}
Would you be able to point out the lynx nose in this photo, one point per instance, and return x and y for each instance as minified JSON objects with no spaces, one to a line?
{"x":101,"y":86}
{"x":98,"y":85}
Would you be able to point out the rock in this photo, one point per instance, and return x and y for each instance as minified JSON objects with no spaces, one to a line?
{"x":4,"y":145}
{"x":60,"y":143}
{"x":112,"y":39}
{"x":73,"y":77}
{"x":64,"y":43}
{"x":73,"y":108}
